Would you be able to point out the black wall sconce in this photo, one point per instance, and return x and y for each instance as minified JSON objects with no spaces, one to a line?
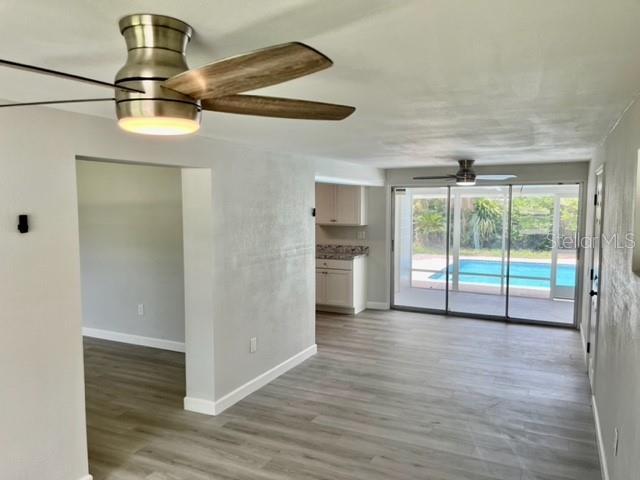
{"x":23,"y":223}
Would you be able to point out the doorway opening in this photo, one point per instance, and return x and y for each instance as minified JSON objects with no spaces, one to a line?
{"x":131,"y":253}
{"x":506,"y":252}
{"x":145,"y":237}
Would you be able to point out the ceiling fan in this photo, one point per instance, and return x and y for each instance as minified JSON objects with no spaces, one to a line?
{"x":465,"y":176}
{"x":157,"y":94}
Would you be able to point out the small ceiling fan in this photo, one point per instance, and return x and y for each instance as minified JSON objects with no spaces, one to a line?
{"x":157,"y":94}
{"x":465,"y":176}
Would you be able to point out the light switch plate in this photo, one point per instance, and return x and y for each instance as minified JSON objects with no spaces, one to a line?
{"x":141,"y":309}
{"x":253,"y":344}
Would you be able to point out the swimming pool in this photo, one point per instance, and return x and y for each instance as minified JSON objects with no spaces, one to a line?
{"x":538,"y":275}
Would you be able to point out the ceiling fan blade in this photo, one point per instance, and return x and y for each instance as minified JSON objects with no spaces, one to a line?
{"x":440,"y":177}
{"x":494,"y":177}
{"x":249,"y":71}
{"x":52,"y":102}
{"x":68,"y":76}
{"x":277,"y":107}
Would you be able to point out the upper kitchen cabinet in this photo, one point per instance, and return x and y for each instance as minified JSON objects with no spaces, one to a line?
{"x":340,"y":205}
{"x":325,"y":204}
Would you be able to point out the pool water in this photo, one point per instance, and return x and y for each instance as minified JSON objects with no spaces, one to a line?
{"x":538,"y":275}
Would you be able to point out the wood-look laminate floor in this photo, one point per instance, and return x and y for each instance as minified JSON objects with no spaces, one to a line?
{"x":390,"y":395}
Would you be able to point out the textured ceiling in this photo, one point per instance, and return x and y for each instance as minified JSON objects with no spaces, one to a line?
{"x":498,"y":80}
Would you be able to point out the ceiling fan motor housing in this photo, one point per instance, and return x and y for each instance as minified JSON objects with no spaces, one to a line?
{"x":156,"y":47}
{"x":465,"y":174}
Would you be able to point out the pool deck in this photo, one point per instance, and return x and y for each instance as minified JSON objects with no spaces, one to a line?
{"x":536,"y":309}
{"x":524,"y":302}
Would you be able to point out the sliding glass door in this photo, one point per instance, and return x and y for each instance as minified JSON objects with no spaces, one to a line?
{"x":506,"y":252}
{"x":478,"y":246}
{"x":543,"y":258}
{"x":420,"y":254}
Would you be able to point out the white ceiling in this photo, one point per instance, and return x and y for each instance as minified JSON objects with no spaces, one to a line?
{"x":497,"y":80}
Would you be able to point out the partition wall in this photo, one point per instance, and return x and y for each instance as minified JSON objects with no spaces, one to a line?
{"x":507,"y":252}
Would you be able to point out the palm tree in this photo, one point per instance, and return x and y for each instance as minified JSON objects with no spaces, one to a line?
{"x":485,"y":218}
{"x":428,"y":221}
{"x":428,"y":224}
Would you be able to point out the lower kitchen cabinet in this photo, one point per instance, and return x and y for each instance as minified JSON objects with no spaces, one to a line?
{"x":341,"y":285}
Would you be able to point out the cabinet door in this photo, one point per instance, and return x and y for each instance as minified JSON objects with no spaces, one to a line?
{"x":339,"y":289}
{"x":321,"y":286}
{"x":348,"y":204}
{"x":325,"y":203}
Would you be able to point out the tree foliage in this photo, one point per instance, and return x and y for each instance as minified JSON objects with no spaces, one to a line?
{"x":430,"y":221}
{"x":482,"y":223}
{"x":485,"y":221}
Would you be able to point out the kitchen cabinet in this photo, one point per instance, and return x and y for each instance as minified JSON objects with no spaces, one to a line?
{"x":341,"y":205}
{"x":321,"y":286}
{"x":341,"y":285}
{"x":337,"y":288}
{"x":325,"y":203}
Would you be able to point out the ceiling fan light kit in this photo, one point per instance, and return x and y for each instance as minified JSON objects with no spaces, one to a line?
{"x":156,"y":51}
{"x":467,"y":181}
{"x":157,"y":94}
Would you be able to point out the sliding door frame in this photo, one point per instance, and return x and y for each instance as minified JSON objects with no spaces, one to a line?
{"x":506,"y":318}
{"x":483,"y":316}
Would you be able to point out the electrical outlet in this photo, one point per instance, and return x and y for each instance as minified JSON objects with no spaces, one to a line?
{"x":253,"y":344}
{"x":362,"y":234}
{"x":616,"y":438}
{"x":141,"y":309}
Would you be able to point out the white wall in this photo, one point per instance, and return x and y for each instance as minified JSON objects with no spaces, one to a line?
{"x":42,"y":419}
{"x":130,"y":219}
{"x":264,"y":265}
{"x":345,"y":173}
{"x":263,"y":272}
{"x":617,"y":375}
{"x":197,"y":218}
{"x":526,"y":173}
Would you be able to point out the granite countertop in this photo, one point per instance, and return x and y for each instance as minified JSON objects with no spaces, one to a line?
{"x":338,"y":256}
{"x":340,"y":252}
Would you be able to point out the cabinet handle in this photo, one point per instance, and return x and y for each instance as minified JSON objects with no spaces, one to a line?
{"x":333,"y":220}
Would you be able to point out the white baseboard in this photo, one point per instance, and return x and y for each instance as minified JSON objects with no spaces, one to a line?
{"x":200,"y":405}
{"x":133,"y":339}
{"x":209,"y":407}
{"x":261,"y":380}
{"x":378,"y":305}
{"x":86,"y":477}
{"x":601,"y":452}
